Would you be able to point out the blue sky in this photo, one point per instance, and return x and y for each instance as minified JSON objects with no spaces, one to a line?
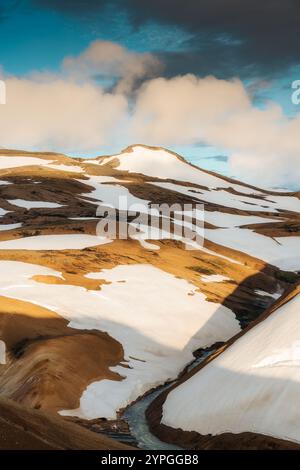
{"x":33,"y":38}
{"x":36,"y":36}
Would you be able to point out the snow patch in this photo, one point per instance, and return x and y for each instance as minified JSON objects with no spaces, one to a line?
{"x":3,"y":212}
{"x":214,"y":278}
{"x":33,"y":204}
{"x":280,"y":252}
{"x":7,"y":162}
{"x":262,"y":292}
{"x":110,"y":194}
{"x":10,"y":226}
{"x":2,"y":352}
{"x":54,"y":242}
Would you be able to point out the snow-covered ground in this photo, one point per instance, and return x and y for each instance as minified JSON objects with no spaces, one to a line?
{"x":150,"y":312}
{"x":253,"y":386}
{"x":224,"y":220}
{"x":112,"y":195}
{"x":119,"y":197}
{"x":190,"y":235}
{"x":54,"y":242}
{"x":10,"y":161}
{"x":33,"y":204}
{"x":283,"y":252}
{"x":224,"y":198}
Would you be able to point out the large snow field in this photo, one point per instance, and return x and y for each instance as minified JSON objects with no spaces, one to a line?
{"x":159,"y":320}
{"x":251,"y":387}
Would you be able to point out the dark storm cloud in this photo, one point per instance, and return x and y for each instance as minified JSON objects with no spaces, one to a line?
{"x":247,"y":37}
{"x":231,"y":36}
{"x":73,"y":7}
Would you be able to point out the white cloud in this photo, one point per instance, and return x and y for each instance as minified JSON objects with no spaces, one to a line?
{"x":264,"y":144}
{"x":181,"y":110}
{"x":110,"y":60}
{"x":71,"y":112}
{"x":59,"y":114}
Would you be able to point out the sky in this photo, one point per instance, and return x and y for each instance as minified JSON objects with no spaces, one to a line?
{"x":209,"y":79}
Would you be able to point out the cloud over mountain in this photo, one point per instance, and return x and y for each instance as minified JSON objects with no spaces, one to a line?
{"x":107,"y":60}
{"x":58,"y":113}
{"x":72,"y":112}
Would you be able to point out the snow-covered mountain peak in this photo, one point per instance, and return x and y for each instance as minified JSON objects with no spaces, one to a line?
{"x":160,"y":163}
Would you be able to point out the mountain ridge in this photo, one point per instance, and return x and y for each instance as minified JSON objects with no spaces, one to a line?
{"x":130,"y":148}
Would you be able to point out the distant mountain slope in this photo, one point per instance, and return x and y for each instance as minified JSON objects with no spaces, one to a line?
{"x":220,"y":194}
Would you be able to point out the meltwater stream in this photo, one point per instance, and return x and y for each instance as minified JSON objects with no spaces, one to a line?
{"x":136,"y":418}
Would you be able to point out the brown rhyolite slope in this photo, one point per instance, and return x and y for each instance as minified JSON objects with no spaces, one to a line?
{"x":25,"y":429}
{"x":48,"y":364}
